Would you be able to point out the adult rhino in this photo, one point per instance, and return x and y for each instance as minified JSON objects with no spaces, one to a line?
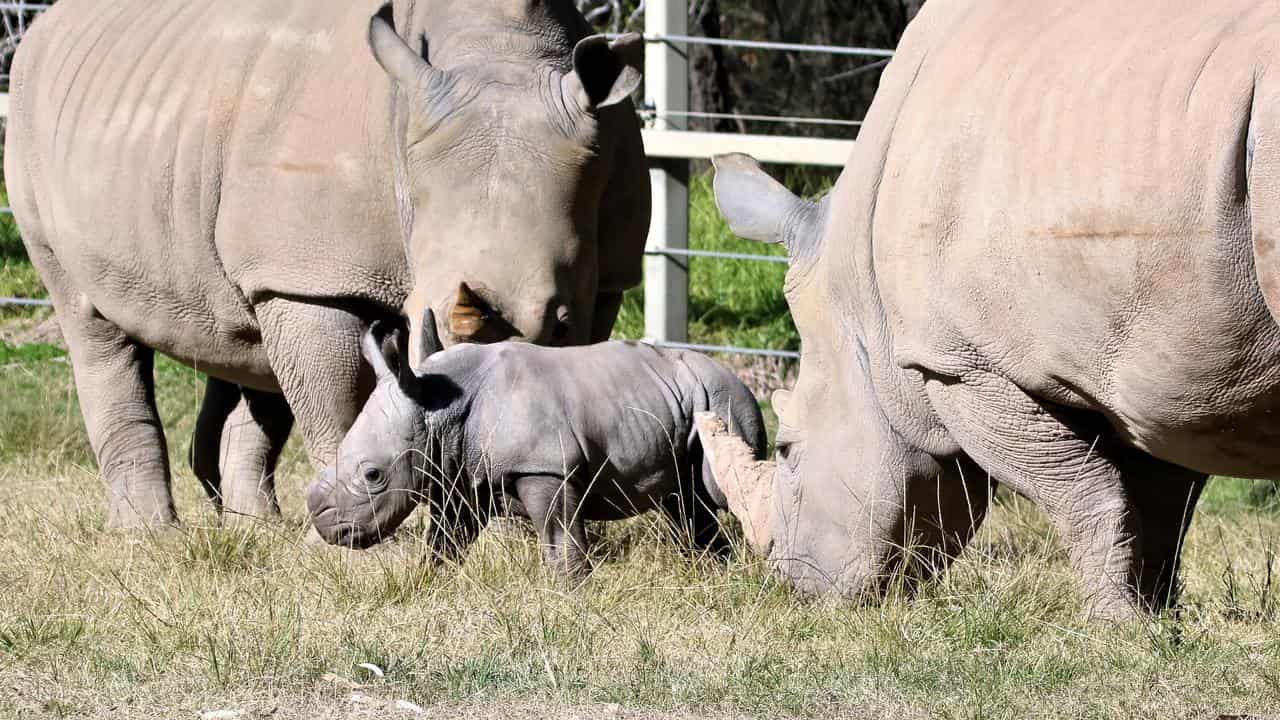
{"x":240,"y":185}
{"x":1050,"y":261}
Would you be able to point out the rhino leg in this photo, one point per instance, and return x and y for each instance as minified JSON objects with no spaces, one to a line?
{"x":1165,"y":496}
{"x":691,"y":510}
{"x":1057,"y":459}
{"x":116,"y":387}
{"x":314,"y":351}
{"x":220,"y":399}
{"x":239,"y":436}
{"x":457,"y":516}
{"x":608,"y":304}
{"x":555,"y":507}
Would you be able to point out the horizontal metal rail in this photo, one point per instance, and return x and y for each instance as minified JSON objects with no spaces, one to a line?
{"x":765,"y":45}
{"x":797,"y":120}
{"x":25,"y":302}
{"x":726,"y":349}
{"x":674,"y":252}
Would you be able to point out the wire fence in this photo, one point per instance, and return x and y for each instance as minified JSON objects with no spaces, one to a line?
{"x":15,"y":16}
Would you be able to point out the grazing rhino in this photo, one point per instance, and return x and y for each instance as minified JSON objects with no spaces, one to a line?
{"x":1050,"y":261}
{"x":245,"y":185}
{"x":558,"y":435}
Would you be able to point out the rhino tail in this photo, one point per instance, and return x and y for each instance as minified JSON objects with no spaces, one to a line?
{"x":1259,"y":168}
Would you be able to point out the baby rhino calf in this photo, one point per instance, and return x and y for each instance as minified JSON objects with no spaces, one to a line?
{"x":558,"y":435}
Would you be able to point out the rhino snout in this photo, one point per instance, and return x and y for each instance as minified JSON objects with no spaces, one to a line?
{"x":322,"y":503}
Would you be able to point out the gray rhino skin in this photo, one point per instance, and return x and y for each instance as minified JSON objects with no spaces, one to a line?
{"x":1050,"y":261}
{"x":239,"y":185}
{"x":558,"y":435}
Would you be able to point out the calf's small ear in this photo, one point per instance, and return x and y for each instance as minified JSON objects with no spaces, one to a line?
{"x":371,"y":347}
{"x":429,"y":343}
{"x":605,"y":72}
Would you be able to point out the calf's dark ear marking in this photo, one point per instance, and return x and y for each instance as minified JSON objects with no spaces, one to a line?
{"x":605,"y":72}
{"x":380,"y":347}
{"x":371,"y":350}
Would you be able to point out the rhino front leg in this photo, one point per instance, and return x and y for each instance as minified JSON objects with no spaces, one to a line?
{"x":457,"y":516}
{"x":1058,"y":459}
{"x":239,"y":436}
{"x":1165,"y":497}
{"x":314,"y":351}
{"x":555,"y":507}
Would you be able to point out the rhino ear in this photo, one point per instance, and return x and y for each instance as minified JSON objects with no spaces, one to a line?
{"x":429,"y":343}
{"x":757,"y":207}
{"x":381,"y":348}
{"x":407,"y":67}
{"x":605,"y":72}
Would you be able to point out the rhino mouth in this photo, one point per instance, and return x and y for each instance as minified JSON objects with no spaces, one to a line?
{"x":349,"y":535}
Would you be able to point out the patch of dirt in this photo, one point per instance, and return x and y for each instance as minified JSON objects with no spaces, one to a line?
{"x":37,"y":326}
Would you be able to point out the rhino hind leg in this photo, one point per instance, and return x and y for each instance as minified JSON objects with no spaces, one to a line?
{"x":220,"y":398}
{"x":239,"y":436}
{"x":691,"y":510}
{"x":116,"y":387}
{"x":554,"y":505}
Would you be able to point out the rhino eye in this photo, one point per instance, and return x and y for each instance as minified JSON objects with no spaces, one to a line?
{"x":372,"y":476}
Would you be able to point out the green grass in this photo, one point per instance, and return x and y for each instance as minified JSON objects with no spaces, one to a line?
{"x":17,"y":277}
{"x":173,"y":623}
{"x":731,"y":302}
{"x":169,"y":624}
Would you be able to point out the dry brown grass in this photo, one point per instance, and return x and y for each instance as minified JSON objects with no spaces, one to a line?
{"x":172,"y":624}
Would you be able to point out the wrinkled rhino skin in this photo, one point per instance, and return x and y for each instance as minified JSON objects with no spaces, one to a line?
{"x":246,"y":185}
{"x":558,"y":435}
{"x":1050,"y":261}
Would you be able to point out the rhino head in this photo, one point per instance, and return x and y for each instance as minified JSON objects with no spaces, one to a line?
{"x":516,"y":161}
{"x":855,"y":495}
{"x":394,"y":448}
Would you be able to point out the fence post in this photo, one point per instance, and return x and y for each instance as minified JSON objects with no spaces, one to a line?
{"x":666,"y":298}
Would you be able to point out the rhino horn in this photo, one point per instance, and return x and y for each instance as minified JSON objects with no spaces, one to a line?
{"x":757,"y":207}
{"x":469,"y":313}
{"x":747,"y":483}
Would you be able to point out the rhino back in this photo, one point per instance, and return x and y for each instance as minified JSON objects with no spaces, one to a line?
{"x":536,"y":410}
{"x":1065,"y":200}
{"x":183,"y":159}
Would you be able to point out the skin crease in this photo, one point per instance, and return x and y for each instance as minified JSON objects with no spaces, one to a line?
{"x":1062,"y":286}
{"x":558,"y":435}
{"x":282,"y":174}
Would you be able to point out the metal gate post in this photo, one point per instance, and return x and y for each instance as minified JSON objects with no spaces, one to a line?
{"x":666,"y":278}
